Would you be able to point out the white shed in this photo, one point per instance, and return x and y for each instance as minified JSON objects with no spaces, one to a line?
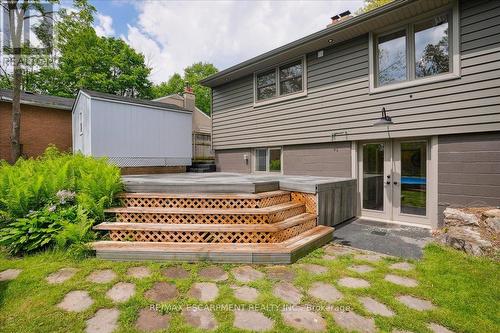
{"x":131,"y":132}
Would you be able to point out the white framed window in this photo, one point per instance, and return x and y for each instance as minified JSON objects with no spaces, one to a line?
{"x":268,"y":160}
{"x":421,"y":51}
{"x":281,"y":82}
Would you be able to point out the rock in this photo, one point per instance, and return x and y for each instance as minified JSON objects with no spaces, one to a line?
{"x":61,"y":275}
{"x":338,"y":250}
{"x":252,"y":321}
{"x":245,"y":294}
{"x":415,"y":303}
{"x":466,"y":239}
{"x":375,"y":307}
{"x":493,"y":223}
{"x":10,"y":274}
{"x":492,"y":213}
{"x":204,"y":291}
{"x":102,"y":276}
{"x":200,"y":318}
{"x":325,"y":292}
{"x":139,"y":272}
{"x":361,"y":268}
{"x":329,"y":257}
{"x":246,"y":274}
{"x":76,"y":301}
{"x":213,"y":273}
{"x":175,"y":273}
{"x":151,"y":321}
{"x":401,"y":280}
{"x":280,"y":273}
{"x":351,"y":321}
{"x":302,"y":318}
{"x":104,"y":321}
{"x":350,"y":282}
{"x":287,"y":292}
{"x":436,"y":328}
{"x":161,"y":292}
{"x":460,"y":216}
{"x":371,"y":257}
{"x":121,"y":292}
{"x":314,"y":269}
{"x":402,"y":266}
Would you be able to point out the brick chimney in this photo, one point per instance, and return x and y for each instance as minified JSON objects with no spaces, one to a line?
{"x":340,"y":18}
{"x":189,"y":98}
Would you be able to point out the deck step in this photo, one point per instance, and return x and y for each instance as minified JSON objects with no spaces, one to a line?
{"x":277,"y":253}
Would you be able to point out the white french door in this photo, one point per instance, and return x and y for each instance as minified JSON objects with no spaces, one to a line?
{"x":394,"y":178}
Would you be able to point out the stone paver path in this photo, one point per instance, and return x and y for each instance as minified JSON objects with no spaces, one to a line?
{"x":204,"y":291}
{"x":330,"y":257}
{"x":246,"y":274}
{"x":402,"y":266}
{"x":76,"y":301}
{"x":280,"y":273}
{"x":400,"y":331}
{"x":252,"y":321}
{"x":162,"y":291}
{"x":151,"y":321}
{"x":325,"y":292}
{"x":139,"y":272}
{"x":104,"y":321}
{"x":314,"y":269}
{"x":303,"y":319}
{"x":10,"y":274}
{"x":436,"y":328}
{"x":415,"y":303}
{"x":361,"y":268}
{"x":371,"y":257}
{"x":373,"y":306}
{"x":213,"y":273}
{"x":351,"y":321}
{"x":350,"y":282}
{"x":175,"y":273}
{"x":102,"y":276}
{"x":287,"y":292}
{"x":337,"y":250}
{"x":401,"y":280}
{"x":245,"y":294}
{"x":61,"y":275}
{"x":200,"y":318}
{"x":121,"y":292}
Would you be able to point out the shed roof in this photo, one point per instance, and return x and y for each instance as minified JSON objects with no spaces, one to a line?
{"x":30,"y":98}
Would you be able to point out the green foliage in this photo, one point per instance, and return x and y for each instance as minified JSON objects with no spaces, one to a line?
{"x":372,"y":4}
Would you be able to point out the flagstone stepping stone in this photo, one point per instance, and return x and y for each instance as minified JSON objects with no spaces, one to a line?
{"x":350,"y":282}
{"x":252,"y":321}
{"x":104,"y":321}
{"x":399,"y":331}
{"x":213,"y":273}
{"x":371,"y":257}
{"x":175,"y":273}
{"x":102,"y":276}
{"x":61,"y":275}
{"x":436,"y":328}
{"x":139,"y":272}
{"x":329,"y":257}
{"x":280,"y":273}
{"x":246,"y":294}
{"x":325,"y":292}
{"x":10,"y":274}
{"x":162,"y":291}
{"x":303,"y":319}
{"x":361,"y":268}
{"x":401,"y":280}
{"x":351,"y":321}
{"x":200,"y":318}
{"x":402,"y":266}
{"x":121,"y":292}
{"x":76,"y":301}
{"x":415,"y":303}
{"x":204,"y":291}
{"x":287,"y":292}
{"x":339,"y":250}
{"x":314,"y":269}
{"x":246,"y":274}
{"x":152,"y":321}
{"x":375,"y":307}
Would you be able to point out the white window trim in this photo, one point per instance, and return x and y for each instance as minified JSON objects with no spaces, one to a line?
{"x":254,"y":160}
{"x":454,"y":50}
{"x":279,"y":98}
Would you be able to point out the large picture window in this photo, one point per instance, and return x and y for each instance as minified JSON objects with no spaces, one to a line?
{"x":284,"y":80}
{"x":268,"y":160}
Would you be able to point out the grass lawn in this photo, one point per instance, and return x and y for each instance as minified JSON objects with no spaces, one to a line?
{"x":465,"y":291}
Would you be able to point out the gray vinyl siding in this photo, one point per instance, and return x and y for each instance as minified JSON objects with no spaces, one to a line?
{"x":338,"y":96}
{"x":233,"y":160}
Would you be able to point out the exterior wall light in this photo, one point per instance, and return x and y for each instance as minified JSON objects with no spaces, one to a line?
{"x":384,"y":120}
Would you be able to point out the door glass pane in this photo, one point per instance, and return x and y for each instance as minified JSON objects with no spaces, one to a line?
{"x":373,"y":176}
{"x":260,"y":159}
{"x":391,"y":53}
{"x":275,"y":160}
{"x":413,"y":178}
{"x":431,"y":47}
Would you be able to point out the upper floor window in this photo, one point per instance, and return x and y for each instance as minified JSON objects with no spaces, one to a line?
{"x":280,"y":81}
{"x":418,"y":52}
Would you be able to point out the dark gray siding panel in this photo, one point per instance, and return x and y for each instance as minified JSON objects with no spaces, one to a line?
{"x":338,"y":96}
{"x":325,"y":159}
{"x":233,"y":160}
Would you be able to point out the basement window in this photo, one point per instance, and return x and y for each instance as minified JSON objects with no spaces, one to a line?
{"x":267,"y":160}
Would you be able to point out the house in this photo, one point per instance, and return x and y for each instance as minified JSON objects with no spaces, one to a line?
{"x":45,"y":120}
{"x":404,"y":98}
{"x":202,"y":124}
{"x":140,"y":136}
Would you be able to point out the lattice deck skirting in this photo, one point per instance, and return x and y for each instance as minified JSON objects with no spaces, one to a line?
{"x":308,"y":199}
{"x":211,"y":236}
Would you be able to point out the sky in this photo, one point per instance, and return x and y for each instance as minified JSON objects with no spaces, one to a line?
{"x":174,"y":34}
